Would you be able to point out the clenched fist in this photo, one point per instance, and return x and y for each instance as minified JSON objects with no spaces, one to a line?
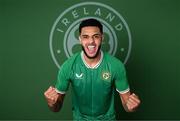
{"x":133,"y":102}
{"x":53,"y":98}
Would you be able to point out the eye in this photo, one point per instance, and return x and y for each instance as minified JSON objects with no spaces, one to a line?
{"x":85,"y":37}
{"x":97,"y":36}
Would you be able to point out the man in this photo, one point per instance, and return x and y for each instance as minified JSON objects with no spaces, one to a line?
{"x":93,"y":75}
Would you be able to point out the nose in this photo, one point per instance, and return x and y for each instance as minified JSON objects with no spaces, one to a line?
{"x":91,"y":40}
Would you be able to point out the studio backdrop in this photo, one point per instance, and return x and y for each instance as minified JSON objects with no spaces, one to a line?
{"x":37,"y":36}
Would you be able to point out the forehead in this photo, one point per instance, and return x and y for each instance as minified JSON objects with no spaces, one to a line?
{"x":90,"y":30}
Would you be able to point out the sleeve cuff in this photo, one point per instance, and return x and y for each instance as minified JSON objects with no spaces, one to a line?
{"x":61,"y":92}
{"x":124,"y":91}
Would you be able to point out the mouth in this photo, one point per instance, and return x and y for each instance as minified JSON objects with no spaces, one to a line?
{"x":91,"y":49}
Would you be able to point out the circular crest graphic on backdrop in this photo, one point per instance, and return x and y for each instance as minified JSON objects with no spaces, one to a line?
{"x":63,"y":40}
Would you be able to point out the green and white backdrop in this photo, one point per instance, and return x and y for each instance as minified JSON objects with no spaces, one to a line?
{"x":37,"y":36}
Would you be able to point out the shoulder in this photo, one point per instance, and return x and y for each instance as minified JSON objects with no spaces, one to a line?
{"x":116,"y":66}
{"x":111,"y":59}
{"x":115,"y":63}
{"x":71,"y":61}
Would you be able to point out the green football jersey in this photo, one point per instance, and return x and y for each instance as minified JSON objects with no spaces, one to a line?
{"x":92,"y":87}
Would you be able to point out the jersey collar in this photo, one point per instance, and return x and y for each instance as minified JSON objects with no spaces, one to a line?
{"x":94,"y":67}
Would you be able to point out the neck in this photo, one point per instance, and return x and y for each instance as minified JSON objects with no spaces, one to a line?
{"x":92,"y":62}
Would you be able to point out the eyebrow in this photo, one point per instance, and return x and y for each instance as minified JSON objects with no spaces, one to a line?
{"x":92,"y":35}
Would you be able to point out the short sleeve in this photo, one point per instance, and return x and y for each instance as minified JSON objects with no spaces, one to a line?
{"x":62,"y":83}
{"x":121,"y":82}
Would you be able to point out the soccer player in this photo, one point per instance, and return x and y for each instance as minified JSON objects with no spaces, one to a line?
{"x":94,"y":76}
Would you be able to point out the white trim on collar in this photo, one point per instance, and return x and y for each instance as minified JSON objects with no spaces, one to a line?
{"x":95,"y":66}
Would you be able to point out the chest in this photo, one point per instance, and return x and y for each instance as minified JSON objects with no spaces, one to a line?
{"x":94,"y":80}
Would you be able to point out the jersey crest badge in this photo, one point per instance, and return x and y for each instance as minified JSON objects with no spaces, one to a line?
{"x":106,"y":75}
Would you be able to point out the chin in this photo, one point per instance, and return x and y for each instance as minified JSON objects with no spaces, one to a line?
{"x":91,"y":56}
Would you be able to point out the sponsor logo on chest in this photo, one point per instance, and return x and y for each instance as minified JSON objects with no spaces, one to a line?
{"x":79,"y":76}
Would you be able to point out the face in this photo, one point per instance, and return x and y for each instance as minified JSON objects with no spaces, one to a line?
{"x":91,"y":39}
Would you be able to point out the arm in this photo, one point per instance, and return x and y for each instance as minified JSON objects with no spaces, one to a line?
{"x":130,"y":101}
{"x":54,"y":99}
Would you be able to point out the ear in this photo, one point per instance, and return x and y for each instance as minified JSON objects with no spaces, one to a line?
{"x":79,"y":39}
{"x":102,"y":37}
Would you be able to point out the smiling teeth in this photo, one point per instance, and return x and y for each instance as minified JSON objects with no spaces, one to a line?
{"x":91,"y":47}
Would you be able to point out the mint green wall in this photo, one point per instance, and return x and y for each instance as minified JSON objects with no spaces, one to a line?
{"x":27,"y":69}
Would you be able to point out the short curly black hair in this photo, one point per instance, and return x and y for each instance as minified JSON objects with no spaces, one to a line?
{"x":90,"y":22}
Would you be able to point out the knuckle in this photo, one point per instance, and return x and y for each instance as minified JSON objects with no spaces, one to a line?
{"x":44,"y":93}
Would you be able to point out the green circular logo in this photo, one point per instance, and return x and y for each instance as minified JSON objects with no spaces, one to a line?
{"x":63,"y":40}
